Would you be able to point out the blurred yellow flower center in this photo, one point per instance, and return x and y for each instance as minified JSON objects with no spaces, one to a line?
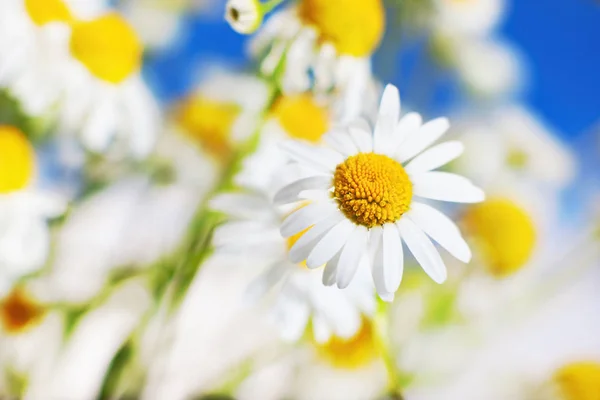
{"x":16,"y":160}
{"x":108,"y":47}
{"x":301,"y":117}
{"x":42,"y":12}
{"x":372,"y":189}
{"x":19,"y":312}
{"x":209,"y":122}
{"x":504,"y":232}
{"x":579,"y":381}
{"x":354,"y":352}
{"x":355,"y":27}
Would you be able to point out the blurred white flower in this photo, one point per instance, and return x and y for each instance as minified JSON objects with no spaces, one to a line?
{"x":512,"y":143}
{"x":24,"y":210}
{"x":466,"y":18}
{"x":331,"y":39}
{"x":371,"y":193}
{"x":223,"y":111}
{"x":156,"y":22}
{"x":244,"y":16}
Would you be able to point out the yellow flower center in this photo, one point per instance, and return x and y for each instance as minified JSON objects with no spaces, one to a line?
{"x":301,"y":117}
{"x":504,"y":232}
{"x":355,"y":352}
{"x":209,"y":122}
{"x":108,"y":47}
{"x":355,"y":27}
{"x":579,"y":381}
{"x":16,"y":160}
{"x":42,"y":12}
{"x":372,"y":189}
{"x":19,"y":312}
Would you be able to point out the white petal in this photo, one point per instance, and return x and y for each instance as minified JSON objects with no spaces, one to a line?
{"x":341,"y":142}
{"x":331,"y":243}
{"x":408,"y":125}
{"x":306,"y":216}
{"x":321,"y":331}
{"x":289,"y":194}
{"x":389,"y":114}
{"x":240,"y":205}
{"x":330,"y":271}
{"x":376,"y":255}
{"x":424,"y":251}
{"x":423,"y":138}
{"x":446,"y":186}
{"x":351,"y":256}
{"x":265,"y":281}
{"x":302,"y":248}
{"x":435,"y":157}
{"x":318,"y":158}
{"x":393,"y":257}
{"x":441,"y":229}
{"x":361,"y":138}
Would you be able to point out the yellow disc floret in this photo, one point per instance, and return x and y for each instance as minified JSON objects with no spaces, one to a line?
{"x":504,"y":232}
{"x":19,"y":312}
{"x":351,"y":353}
{"x":42,"y":12}
{"x":372,"y":189}
{"x":301,"y":117}
{"x":579,"y":381}
{"x":16,"y":160}
{"x":108,"y":47}
{"x":355,"y":27}
{"x":209,"y":122}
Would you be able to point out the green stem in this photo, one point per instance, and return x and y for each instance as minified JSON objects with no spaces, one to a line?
{"x":382,"y":340}
{"x":269,"y":5}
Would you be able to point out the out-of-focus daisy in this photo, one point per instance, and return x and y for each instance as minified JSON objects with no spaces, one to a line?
{"x":156,"y":21}
{"x":24,"y":209}
{"x":34,"y":38}
{"x":466,"y":18}
{"x":105,"y":97}
{"x":512,"y":143}
{"x":301,"y":297}
{"x":361,"y":187}
{"x":223,"y":112}
{"x":331,"y":39}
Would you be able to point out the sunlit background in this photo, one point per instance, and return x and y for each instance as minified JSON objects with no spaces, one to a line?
{"x":141,"y":150}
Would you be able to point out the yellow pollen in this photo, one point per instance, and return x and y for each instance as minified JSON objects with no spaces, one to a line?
{"x":504,"y":232}
{"x":355,"y":27}
{"x":108,"y":47}
{"x":19,"y":312}
{"x":209,"y":122}
{"x":579,"y":381}
{"x":17,"y":160}
{"x":372,"y":189}
{"x":301,"y":117}
{"x":351,"y":353}
{"x":42,"y":12}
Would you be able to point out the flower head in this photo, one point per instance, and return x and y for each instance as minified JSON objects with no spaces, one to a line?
{"x":244,"y":16}
{"x":578,"y":381}
{"x":363,"y":187}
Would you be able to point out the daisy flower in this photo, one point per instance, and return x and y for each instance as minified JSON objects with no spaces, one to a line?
{"x":105,"y":97}
{"x":222,"y":112}
{"x":24,"y":236}
{"x":300,"y":297}
{"x":34,"y":70}
{"x":512,"y":143}
{"x":362,"y":185}
{"x":331,"y":39}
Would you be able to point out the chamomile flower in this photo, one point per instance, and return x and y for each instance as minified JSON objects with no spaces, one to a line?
{"x":301,"y":297}
{"x":361,"y":186}
{"x":105,"y":97}
{"x":24,"y":236}
{"x":512,"y":143}
{"x":331,"y":39}
{"x":34,"y":70}
{"x":222,"y":112}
